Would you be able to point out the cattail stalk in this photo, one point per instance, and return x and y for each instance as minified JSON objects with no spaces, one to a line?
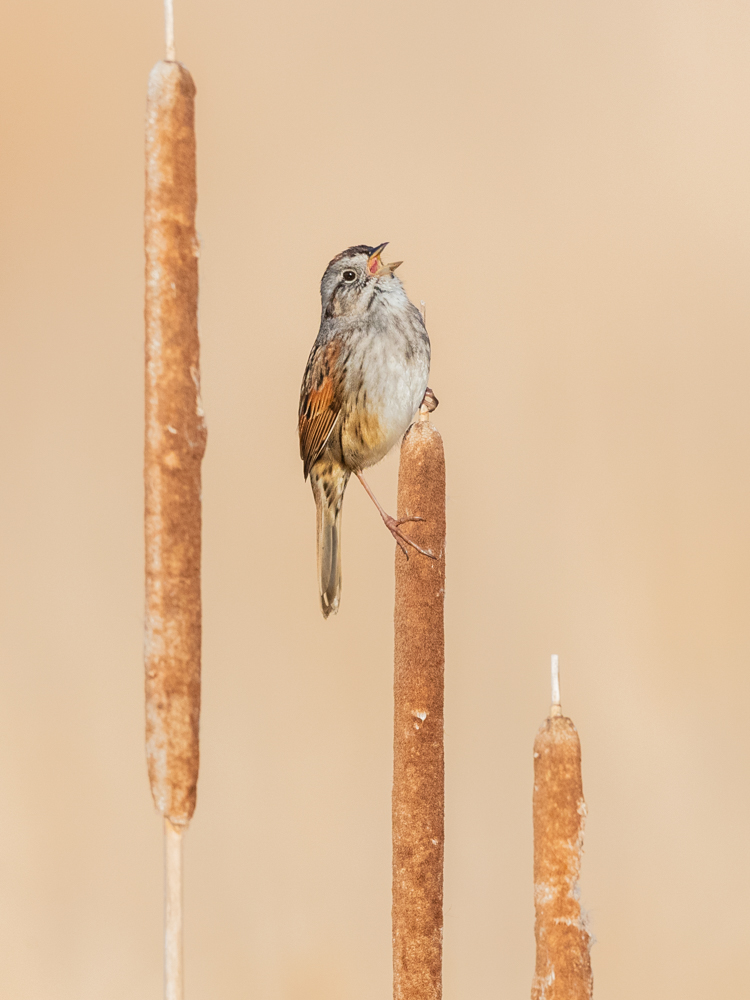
{"x":418,"y":771}
{"x":563,"y":941}
{"x":173,"y":964}
{"x":174,"y":446}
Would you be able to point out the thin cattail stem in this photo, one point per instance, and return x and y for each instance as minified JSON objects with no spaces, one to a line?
{"x":563,"y":941}
{"x":418,"y":770}
{"x":169,"y":29}
{"x":173,"y":966}
{"x":556,"y":708}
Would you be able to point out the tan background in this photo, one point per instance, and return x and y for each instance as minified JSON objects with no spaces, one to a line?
{"x":568,"y":185}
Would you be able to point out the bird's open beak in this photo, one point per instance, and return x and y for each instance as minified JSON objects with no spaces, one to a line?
{"x":375,"y":265}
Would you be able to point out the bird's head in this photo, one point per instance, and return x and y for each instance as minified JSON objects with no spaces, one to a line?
{"x":353,"y":277}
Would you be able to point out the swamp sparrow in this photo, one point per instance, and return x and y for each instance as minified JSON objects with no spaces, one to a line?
{"x":364,"y":382}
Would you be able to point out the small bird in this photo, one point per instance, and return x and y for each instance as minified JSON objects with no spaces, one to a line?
{"x":365,"y":380}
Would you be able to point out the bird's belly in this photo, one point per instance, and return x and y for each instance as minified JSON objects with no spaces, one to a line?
{"x":383,"y":409}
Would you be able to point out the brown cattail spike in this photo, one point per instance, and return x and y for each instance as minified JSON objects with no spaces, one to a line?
{"x":563,"y":942}
{"x":175,"y":442}
{"x":418,"y":771}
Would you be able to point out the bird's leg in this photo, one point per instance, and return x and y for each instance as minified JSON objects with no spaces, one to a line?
{"x":394,"y":525}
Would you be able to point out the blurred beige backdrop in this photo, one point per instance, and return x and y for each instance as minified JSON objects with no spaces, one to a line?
{"x":568,"y":187}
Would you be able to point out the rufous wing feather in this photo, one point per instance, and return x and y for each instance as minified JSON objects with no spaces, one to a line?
{"x":319,"y":405}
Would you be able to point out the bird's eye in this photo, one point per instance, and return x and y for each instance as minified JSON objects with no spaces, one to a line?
{"x":348,"y":275}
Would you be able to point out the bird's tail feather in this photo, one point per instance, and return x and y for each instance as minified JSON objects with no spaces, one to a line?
{"x":329,"y":496}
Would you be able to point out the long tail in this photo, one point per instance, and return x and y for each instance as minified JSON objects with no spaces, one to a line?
{"x":328,"y":487}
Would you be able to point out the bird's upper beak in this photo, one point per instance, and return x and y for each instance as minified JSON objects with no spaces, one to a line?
{"x":375,"y":265}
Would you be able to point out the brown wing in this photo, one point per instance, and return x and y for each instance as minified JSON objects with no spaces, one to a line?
{"x":319,"y":404}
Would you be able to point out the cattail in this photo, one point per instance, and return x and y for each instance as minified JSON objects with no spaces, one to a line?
{"x":174,"y":446}
{"x":563,"y":942}
{"x":418,"y":771}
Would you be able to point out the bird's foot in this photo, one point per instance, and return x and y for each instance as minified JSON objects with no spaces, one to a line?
{"x":430,"y":402}
{"x":394,"y":526}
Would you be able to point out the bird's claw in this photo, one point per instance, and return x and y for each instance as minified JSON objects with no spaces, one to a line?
{"x":394,"y":526}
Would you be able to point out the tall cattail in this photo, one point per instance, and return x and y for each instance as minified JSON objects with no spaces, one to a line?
{"x":174,"y":446}
{"x":418,"y":770}
{"x":563,"y":942}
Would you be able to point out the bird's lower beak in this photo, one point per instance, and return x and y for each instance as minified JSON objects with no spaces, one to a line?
{"x":375,"y":265}
{"x":389,"y":268}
